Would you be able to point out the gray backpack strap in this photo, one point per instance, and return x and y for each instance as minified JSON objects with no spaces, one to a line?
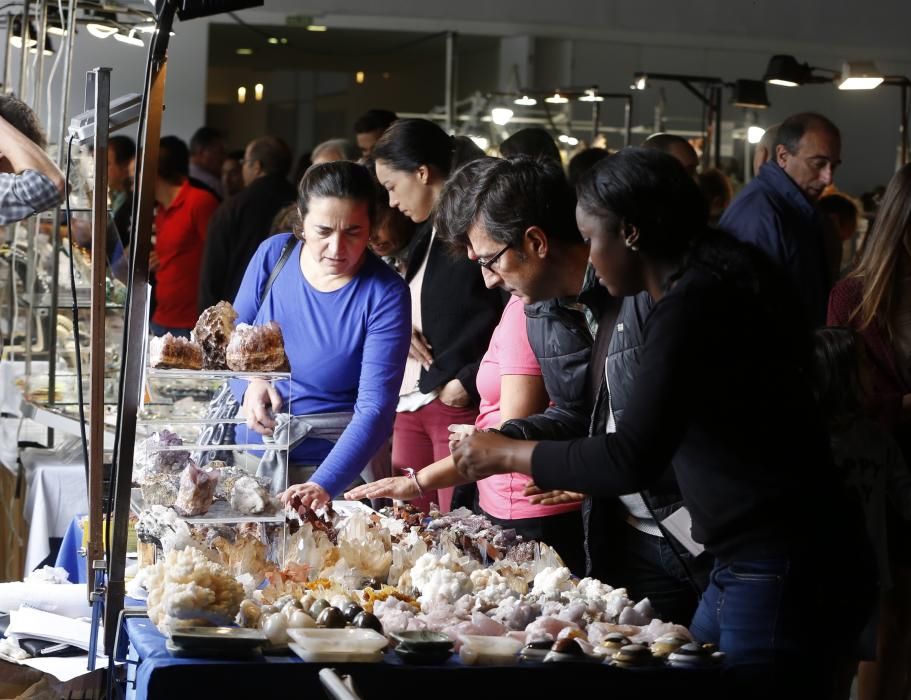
{"x":286,"y":253}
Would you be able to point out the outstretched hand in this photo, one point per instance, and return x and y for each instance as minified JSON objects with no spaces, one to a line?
{"x":308,"y":494}
{"x":551,"y":498}
{"x":400,"y":488}
{"x":486,"y":453}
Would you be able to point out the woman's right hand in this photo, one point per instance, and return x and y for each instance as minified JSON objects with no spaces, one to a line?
{"x":261,"y":401}
{"x":420,"y":349}
{"x":400,"y":488}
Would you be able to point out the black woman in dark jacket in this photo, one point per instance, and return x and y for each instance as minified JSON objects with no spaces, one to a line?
{"x":722,"y":394}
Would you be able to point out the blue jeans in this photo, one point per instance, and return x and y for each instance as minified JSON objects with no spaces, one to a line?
{"x":779,"y":617}
{"x":161,"y":330}
{"x":647,"y":566}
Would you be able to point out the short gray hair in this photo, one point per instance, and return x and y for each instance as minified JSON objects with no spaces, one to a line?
{"x":343,"y":147}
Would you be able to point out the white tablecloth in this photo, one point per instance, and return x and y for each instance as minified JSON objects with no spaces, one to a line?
{"x":56,"y":494}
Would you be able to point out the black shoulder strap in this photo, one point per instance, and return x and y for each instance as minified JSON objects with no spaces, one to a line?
{"x":286,"y":253}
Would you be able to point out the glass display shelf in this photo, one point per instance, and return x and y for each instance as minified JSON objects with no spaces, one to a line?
{"x":219,"y":512}
{"x":44,"y":300}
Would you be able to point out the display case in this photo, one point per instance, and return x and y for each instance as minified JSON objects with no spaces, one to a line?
{"x":189,"y":435}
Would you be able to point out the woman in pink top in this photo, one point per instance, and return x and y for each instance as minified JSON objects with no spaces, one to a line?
{"x":510,"y":384}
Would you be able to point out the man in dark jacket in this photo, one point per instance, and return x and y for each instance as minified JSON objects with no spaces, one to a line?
{"x":777,"y":212}
{"x":534,"y":251}
{"x":241,"y":223}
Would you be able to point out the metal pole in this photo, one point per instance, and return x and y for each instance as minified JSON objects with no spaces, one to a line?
{"x":23,"y":56}
{"x":134,"y":340}
{"x":8,"y":56}
{"x":450,"y":81}
{"x":62,"y":156}
{"x":903,"y":127}
{"x":39,"y":75}
{"x":716,"y":111}
{"x":98,"y":82}
{"x":596,"y":119}
{"x":628,"y":121}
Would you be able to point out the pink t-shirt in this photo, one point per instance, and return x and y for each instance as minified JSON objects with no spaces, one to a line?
{"x":509,"y":353}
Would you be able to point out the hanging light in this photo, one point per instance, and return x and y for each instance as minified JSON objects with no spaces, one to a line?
{"x":859,"y":75}
{"x":48,"y":47}
{"x":101,"y":30}
{"x":525,"y":101}
{"x":56,"y":25}
{"x":258,"y":92}
{"x":130,"y":38}
{"x":750,"y":94}
{"x":16,"y":35}
{"x":556,"y":99}
{"x":501,"y":115}
{"x":241,"y":94}
{"x":755,"y":134}
{"x":591,"y":95}
{"x":359,"y":77}
{"x":785,"y":71}
{"x":640,"y":81}
{"x":480,"y":142}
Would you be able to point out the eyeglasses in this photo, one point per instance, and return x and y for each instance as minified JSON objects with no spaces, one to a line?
{"x":488,"y":264}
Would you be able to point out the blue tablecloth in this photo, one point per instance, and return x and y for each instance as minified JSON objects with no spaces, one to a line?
{"x":154,"y":673}
{"x":69,"y":557}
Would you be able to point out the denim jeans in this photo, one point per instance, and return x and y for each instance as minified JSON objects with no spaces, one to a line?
{"x":647,"y":566}
{"x":775,"y":618}
{"x":161,"y":330}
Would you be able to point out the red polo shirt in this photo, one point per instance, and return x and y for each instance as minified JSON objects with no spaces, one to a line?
{"x":180,"y":237}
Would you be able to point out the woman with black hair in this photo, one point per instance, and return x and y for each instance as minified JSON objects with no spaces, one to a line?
{"x":345,"y":319}
{"x":453,"y":313}
{"x":722,"y":394}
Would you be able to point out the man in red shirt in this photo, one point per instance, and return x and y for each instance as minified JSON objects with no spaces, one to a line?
{"x":181,"y":220}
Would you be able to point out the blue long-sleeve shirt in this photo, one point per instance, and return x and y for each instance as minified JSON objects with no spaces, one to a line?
{"x":347,"y":351}
{"x":774,"y":215}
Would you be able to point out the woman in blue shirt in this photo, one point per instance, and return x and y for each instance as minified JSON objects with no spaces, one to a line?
{"x":346,"y":321}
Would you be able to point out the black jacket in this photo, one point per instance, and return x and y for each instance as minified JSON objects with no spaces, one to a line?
{"x":458,"y":313}
{"x":721,"y":391}
{"x":236,"y":229}
{"x":572,"y":364}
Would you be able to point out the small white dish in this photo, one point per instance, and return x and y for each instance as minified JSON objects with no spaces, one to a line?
{"x":489,"y":651}
{"x":348,"y":640}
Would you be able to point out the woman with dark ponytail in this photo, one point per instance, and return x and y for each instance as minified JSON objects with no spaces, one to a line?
{"x":453,"y":313}
{"x":722,"y":394}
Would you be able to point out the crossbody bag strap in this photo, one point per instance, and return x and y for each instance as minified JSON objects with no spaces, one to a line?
{"x":286,"y":253}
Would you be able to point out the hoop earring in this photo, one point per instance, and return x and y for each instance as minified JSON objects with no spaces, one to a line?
{"x":632,"y":246}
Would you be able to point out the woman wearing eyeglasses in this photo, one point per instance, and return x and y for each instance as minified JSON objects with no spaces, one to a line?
{"x":453,"y":312}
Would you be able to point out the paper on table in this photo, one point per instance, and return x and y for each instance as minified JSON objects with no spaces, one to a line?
{"x":28,"y":622}
{"x":65,"y":668}
{"x":66,"y":599}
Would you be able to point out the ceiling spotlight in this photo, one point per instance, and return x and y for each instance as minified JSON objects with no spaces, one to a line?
{"x":359,"y":77}
{"x":525,"y":101}
{"x":640,"y":81}
{"x":755,"y":134}
{"x":316,"y":28}
{"x":591,"y":95}
{"x":568,"y":140}
{"x":258,"y":92}
{"x":501,"y":115}
{"x":556,"y":99}
{"x":101,"y":30}
{"x":785,"y":71}
{"x":750,"y":94}
{"x":244,"y":52}
{"x":859,"y":75}
{"x":130,"y":38}
{"x":241,"y":94}
{"x":16,"y":34}
{"x":480,"y":142}
{"x":48,"y":47}
{"x":273,"y":39}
